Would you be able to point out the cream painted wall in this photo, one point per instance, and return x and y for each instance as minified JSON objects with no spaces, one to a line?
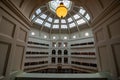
{"x":41,"y":35}
{"x":38,"y":33}
{"x":13,"y":42}
{"x":107,"y":38}
{"x":82,"y":33}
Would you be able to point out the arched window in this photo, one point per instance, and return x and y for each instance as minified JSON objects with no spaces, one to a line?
{"x":53,"y":52}
{"x":59,"y":60}
{"x":66,"y":60}
{"x":59,"y":52}
{"x":65,"y":52}
{"x":53,"y":60}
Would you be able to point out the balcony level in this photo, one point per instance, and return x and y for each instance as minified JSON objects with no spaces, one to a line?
{"x":39,"y":76}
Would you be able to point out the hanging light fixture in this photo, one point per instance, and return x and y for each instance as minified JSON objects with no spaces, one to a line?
{"x":61,"y":10}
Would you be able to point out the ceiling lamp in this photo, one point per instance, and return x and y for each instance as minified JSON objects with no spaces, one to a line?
{"x":61,"y":11}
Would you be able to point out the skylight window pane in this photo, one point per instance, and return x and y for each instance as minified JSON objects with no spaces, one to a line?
{"x":56,"y":21}
{"x":76,"y":16}
{"x":50,"y":19}
{"x":55,"y":26}
{"x":72,"y":25}
{"x":81,"y":21}
{"x":38,"y":11}
{"x":47,"y":24}
{"x":55,"y":3}
{"x":64,"y":26}
{"x":70,"y":20}
{"x":63,"y":21}
{"x":39,"y":21}
{"x":33,"y":16}
{"x":43,"y":16}
{"x":82,"y":11}
{"x":87,"y":16}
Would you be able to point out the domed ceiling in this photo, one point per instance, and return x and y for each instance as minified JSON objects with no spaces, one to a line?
{"x":46,"y":19}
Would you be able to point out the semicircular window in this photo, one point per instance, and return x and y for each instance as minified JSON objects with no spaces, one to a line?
{"x":46,"y":17}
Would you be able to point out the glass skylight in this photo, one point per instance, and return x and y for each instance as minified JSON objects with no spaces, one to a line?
{"x":63,"y":21}
{"x":72,"y":25}
{"x":53,"y":4}
{"x":39,"y":21}
{"x":70,"y":19}
{"x":87,"y":16}
{"x":43,"y":16}
{"x":76,"y":16}
{"x":55,"y":26}
{"x":33,"y":16}
{"x":50,"y":19}
{"x":56,"y":21}
{"x":38,"y":11}
{"x":47,"y":24}
{"x":82,"y":11}
{"x":64,"y":26}
{"x":81,"y":21}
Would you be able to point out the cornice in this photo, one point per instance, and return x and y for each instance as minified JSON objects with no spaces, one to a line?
{"x":105,"y":12}
{"x":14,"y":9}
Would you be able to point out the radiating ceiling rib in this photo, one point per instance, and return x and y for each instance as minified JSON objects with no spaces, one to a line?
{"x":75,"y":23}
{"x":52,"y":24}
{"x":67,"y":25}
{"x":75,"y":9}
{"x":82,"y":16}
{"x":59,"y":27}
{"x":44,"y":22}
{"x":37,"y":15}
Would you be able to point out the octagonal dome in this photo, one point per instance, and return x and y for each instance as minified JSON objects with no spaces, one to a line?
{"x":46,"y":18}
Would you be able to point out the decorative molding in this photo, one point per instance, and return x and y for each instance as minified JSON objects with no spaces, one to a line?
{"x":9,"y":12}
{"x":101,"y":4}
{"x":21,"y":3}
{"x":116,"y":55}
{"x":14,"y":9}
{"x":104,"y":13}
